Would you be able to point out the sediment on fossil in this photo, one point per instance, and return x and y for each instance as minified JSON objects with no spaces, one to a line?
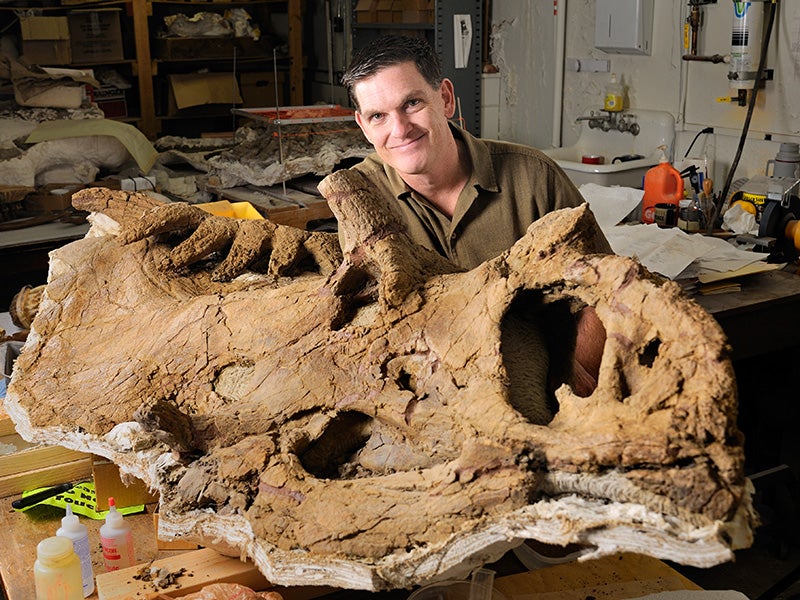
{"x":370,"y":423}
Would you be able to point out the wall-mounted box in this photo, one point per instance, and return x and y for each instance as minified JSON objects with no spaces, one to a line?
{"x":624,"y":26}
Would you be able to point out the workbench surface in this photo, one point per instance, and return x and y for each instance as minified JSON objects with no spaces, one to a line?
{"x":20,"y":532}
{"x":618,"y":576}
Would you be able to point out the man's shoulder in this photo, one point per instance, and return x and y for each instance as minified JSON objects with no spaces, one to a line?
{"x":506,"y":151}
{"x":525,"y":152}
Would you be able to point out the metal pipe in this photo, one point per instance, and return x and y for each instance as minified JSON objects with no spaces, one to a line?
{"x":714,"y":58}
{"x":560,"y":7}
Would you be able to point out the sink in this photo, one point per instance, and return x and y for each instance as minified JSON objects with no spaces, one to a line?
{"x":656,"y":128}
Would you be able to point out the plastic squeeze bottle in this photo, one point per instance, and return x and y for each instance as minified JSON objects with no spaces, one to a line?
{"x":57,"y":570}
{"x":662,"y":185}
{"x":116,"y":540}
{"x":614,"y":97}
{"x":73,"y":529}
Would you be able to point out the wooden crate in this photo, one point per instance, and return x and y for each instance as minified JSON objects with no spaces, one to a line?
{"x":194,"y":48}
{"x":26,"y":466}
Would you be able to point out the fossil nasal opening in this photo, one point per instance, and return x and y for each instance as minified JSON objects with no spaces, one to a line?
{"x":329,"y":456}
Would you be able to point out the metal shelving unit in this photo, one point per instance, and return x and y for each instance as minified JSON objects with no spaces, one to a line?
{"x":442,"y":35}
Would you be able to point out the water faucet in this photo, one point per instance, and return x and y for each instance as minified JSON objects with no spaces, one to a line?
{"x":622,"y":123}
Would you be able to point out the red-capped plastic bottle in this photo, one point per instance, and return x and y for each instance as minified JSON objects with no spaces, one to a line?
{"x":662,"y":185}
{"x":116,"y":540}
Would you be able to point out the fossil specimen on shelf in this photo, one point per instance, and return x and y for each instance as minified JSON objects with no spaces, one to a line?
{"x":355,"y":422}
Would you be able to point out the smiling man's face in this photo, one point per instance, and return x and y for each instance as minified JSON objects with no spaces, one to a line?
{"x":404,"y":118}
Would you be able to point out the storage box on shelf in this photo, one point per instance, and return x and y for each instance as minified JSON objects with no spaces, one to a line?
{"x":45,"y":40}
{"x":95,"y":35}
{"x":112,"y":101}
{"x":236,"y":70}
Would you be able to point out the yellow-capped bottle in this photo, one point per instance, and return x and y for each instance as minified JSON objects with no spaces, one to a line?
{"x":615,"y":95}
{"x":57,"y":570}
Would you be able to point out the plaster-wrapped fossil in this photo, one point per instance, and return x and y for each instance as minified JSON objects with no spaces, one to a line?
{"x":359,"y":427}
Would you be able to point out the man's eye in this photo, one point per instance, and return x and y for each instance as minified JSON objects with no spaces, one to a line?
{"x":376,"y":117}
{"x":413,"y":103}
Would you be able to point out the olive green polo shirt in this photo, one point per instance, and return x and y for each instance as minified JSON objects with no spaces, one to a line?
{"x":511,"y":186}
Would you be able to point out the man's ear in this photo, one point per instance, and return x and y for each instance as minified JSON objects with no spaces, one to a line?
{"x":360,"y":121}
{"x":448,"y":93}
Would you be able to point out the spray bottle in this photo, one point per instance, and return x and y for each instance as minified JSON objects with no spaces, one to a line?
{"x":73,"y":529}
{"x":117,"y":540}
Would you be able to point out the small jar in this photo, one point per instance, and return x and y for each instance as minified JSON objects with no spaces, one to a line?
{"x":57,"y":570}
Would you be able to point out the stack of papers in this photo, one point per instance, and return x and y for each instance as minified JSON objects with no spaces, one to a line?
{"x":671,"y":252}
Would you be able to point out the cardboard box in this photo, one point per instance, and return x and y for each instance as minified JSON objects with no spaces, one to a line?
{"x":417,"y":16}
{"x":45,"y":40}
{"x":212,"y":47}
{"x":367,"y":11}
{"x":258,"y":89}
{"x":199,"y":89}
{"x":384,"y":11}
{"x":95,"y":35}
{"x":53,"y":197}
{"x":111,"y":101}
{"x":108,"y":484}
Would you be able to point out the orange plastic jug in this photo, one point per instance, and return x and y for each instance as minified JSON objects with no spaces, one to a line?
{"x":662,"y":185}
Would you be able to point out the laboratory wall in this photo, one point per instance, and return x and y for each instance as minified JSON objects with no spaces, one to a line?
{"x":526,"y":47}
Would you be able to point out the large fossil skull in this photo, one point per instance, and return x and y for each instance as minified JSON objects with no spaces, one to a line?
{"x":386,"y":425}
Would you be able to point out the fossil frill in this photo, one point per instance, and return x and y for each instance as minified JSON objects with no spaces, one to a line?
{"x":355,"y":429}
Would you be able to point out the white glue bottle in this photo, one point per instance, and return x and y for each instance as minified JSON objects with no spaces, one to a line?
{"x":73,"y":529}
{"x":117,"y":540}
{"x":57,"y":570}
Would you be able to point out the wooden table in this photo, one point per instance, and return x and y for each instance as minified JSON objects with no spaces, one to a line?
{"x":763,"y":317}
{"x":21,"y":532}
{"x":612,"y":577}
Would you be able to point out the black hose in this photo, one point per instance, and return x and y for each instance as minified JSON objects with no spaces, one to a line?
{"x":759,"y":74}
{"x":699,"y":133}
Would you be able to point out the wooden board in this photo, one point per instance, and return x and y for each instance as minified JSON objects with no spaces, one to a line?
{"x":51,"y":475}
{"x":608,"y":578}
{"x":29,"y":457}
{"x":23,"y":530}
{"x":203,"y":567}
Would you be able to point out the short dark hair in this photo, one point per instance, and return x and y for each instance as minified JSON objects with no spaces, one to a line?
{"x":389,"y":50}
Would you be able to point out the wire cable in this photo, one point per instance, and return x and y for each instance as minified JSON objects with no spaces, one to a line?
{"x":699,"y":133}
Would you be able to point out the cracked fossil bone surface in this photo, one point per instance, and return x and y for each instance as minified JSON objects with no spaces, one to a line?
{"x":358,"y":429}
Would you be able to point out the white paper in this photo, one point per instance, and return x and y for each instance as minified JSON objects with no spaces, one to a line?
{"x":610,"y":204}
{"x":676,"y":254}
{"x":462,"y":39}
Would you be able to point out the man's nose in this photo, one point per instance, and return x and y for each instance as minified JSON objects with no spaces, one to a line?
{"x":401,"y":125}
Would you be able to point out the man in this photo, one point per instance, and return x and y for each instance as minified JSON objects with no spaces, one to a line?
{"x":467,"y":199}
